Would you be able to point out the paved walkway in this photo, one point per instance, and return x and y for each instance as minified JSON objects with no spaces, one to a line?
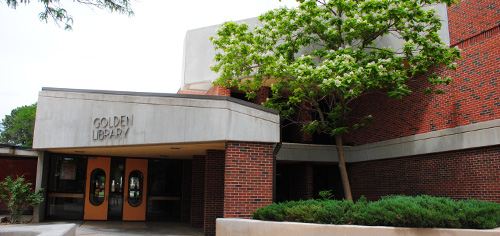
{"x":122,"y":228}
{"x":104,"y":228}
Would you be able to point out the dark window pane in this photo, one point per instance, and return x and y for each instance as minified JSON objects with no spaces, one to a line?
{"x":135,"y":188}
{"x":67,"y":174}
{"x":97,"y":187}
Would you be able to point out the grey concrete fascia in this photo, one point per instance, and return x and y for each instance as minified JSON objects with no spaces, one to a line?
{"x":459,"y":138}
{"x":64,"y":119}
{"x":11,"y":150}
{"x":169,"y":95}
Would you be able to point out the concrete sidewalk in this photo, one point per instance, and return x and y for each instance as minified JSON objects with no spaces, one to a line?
{"x":123,"y":228}
{"x":104,"y":228}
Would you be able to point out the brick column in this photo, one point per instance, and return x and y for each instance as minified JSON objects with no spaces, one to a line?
{"x":262,"y":95}
{"x":304,"y":115}
{"x":214,"y":189}
{"x":303,"y":186}
{"x":197,"y":191}
{"x":248,"y":178}
{"x":187,"y":173}
{"x":219,"y":91}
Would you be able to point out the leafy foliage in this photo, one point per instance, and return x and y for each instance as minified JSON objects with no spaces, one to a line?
{"x":54,"y":10}
{"x":324,"y":54}
{"x":18,"y":195}
{"x":398,"y":211}
{"x":18,"y":127}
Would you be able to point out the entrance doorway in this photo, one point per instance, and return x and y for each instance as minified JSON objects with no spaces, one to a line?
{"x":116,"y":188}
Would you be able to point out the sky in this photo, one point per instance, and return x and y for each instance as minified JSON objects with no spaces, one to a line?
{"x":105,"y":51}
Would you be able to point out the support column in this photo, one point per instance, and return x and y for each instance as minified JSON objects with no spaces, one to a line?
{"x":187,"y":172}
{"x":214,"y":189}
{"x":248,"y":178}
{"x":42,"y":175}
{"x":303,"y":186}
{"x":197,"y":191}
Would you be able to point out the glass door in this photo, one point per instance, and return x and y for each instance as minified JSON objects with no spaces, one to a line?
{"x":96,"y":190}
{"x":135,"y":191}
{"x":117,"y":175}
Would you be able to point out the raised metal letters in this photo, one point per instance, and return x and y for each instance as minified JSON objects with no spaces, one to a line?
{"x":111,"y":127}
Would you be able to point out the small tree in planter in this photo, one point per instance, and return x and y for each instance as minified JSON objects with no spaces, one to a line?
{"x":19,"y":196}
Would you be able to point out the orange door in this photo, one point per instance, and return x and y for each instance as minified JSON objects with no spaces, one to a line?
{"x":136,"y":179}
{"x":96,"y":190}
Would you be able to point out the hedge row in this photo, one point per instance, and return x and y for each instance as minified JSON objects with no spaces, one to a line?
{"x":398,"y":211}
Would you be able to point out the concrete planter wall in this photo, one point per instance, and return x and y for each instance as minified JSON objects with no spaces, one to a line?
{"x":228,"y":226}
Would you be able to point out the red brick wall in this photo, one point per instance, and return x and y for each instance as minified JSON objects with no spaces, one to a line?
{"x":472,"y":173}
{"x":214,"y":189}
{"x":474,"y":96}
{"x":262,"y":95}
{"x":248,"y":178}
{"x":470,"y":18}
{"x":197,"y":191}
{"x":187,"y":179}
{"x":17,"y":167}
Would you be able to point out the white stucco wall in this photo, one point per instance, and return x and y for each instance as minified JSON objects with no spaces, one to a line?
{"x":65,"y":119}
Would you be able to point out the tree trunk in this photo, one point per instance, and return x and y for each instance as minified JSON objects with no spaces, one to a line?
{"x":343,"y":170}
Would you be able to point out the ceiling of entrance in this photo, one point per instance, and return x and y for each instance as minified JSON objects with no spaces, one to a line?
{"x":171,"y":151}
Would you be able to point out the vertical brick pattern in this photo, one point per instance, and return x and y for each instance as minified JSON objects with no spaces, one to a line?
{"x":197,"y":191}
{"x":470,"y":18}
{"x":214,"y":189}
{"x":186,"y":191}
{"x":248,"y":178}
{"x":303,"y":182}
{"x":472,"y":173}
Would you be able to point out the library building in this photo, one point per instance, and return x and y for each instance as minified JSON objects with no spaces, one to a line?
{"x":207,"y":152}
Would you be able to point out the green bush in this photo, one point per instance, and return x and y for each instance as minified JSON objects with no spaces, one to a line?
{"x":397,"y":211}
{"x":18,"y":195}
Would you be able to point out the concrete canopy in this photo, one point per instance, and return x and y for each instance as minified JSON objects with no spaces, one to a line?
{"x":129,"y":124}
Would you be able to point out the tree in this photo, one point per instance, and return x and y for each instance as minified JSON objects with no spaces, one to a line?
{"x":322,"y":55}
{"x":54,"y":9}
{"x":18,"y":195}
{"x":18,"y":127}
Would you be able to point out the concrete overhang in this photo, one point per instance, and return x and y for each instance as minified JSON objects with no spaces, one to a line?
{"x":132,"y":124}
{"x":18,"y":151}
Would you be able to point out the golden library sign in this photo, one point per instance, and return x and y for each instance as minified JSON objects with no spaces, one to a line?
{"x":111,"y":127}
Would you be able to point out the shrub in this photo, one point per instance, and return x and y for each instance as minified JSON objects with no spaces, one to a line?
{"x":398,"y":211}
{"x":18,"y":196}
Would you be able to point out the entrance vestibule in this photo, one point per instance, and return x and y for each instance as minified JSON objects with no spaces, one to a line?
{"x":105,"y":196}
{"x":114,"y":188}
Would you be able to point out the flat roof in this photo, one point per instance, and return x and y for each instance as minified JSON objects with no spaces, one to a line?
{"x":169,"y":95}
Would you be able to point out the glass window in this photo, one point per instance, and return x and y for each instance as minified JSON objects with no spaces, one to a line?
{"x":66,"y":187}
{"x":135,"y":188}
{"x":67,"y":174}
{"x":165,"y":178}
{"x":97,"y":187}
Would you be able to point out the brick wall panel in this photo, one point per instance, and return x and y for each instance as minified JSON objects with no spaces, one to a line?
{"x":462,"y":174}
{"x":248,"y":178}
{"x":214,"y":189}
{"x":474,"y":96}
